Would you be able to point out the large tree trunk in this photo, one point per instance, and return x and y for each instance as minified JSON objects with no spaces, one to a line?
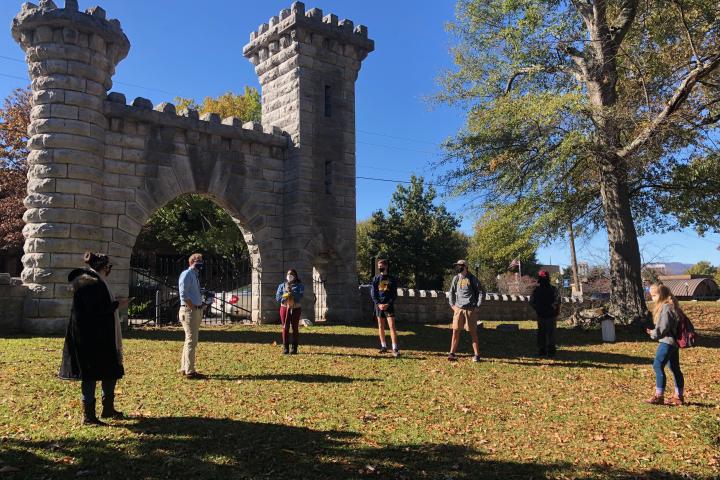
{"x":627,"y":298}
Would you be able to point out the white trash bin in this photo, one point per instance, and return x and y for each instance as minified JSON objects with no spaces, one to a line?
{"x":608,"y":329}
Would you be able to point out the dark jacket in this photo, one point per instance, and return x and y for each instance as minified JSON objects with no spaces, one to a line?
{"x":384,"y":290}
{"x":90,"y":350}
{"x":545,"y":301}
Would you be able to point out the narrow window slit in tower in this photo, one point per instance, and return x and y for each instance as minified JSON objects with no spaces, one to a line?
{"x":328,"y":106}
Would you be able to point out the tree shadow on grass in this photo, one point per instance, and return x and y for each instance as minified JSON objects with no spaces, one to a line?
{"x":296,"y":377}
{"x":210,"y":448}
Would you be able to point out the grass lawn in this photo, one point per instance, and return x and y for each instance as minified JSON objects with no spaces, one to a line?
{"x":339,"y":410}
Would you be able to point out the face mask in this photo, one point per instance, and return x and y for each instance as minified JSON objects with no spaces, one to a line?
{"x":383,"y":269}
{"x":199,"y":266}
{"x":290,"y":278}
{"x":459,"y":269}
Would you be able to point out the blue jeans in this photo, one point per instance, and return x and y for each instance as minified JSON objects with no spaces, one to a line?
{"x":668,"y":354}
{"x":88,"y":389}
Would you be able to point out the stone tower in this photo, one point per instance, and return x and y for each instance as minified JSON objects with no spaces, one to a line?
{"x":71,"y":58}
{"x":307,"y":64}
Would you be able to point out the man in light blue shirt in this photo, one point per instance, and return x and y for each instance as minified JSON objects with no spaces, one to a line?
{"x":191,"y":313}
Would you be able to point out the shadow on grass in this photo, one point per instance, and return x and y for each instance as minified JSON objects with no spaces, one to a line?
{"x":298,"y":377}
{"x":207,"y":448}
{"x":424,"y":338}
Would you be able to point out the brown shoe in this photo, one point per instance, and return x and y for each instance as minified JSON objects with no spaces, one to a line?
{"x":656,"y":400}
{"x":195,"y":376}
{"x":677,"y":401}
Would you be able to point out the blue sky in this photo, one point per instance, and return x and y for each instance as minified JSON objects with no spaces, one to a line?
{"x":190,"y":49}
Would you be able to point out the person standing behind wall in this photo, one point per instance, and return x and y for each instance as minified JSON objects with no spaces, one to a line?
{"x":546,"y":303}
{"x":383,"y":294}
{"x":191,"y":313}
{"x":466,"y":296}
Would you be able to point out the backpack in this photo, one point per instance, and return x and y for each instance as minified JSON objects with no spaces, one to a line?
{"x":686,"y":336}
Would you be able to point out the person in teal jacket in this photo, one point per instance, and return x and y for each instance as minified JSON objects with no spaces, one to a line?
{"x":289,"y":294}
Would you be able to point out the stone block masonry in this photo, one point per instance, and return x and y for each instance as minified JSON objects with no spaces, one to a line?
{"x":100,"y":167}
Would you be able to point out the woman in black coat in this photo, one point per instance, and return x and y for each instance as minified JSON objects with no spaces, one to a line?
{"x":93,"y":345}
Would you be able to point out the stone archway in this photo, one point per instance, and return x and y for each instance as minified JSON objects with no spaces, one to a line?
{"x":100,"y":167}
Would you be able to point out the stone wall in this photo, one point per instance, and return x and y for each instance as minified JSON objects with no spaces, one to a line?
{"x":432,"y":306}
{"x":12,"y":298}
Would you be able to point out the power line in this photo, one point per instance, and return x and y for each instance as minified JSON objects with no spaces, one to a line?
{"x":396,"y":137}
{"x":375,"y":179}
{"x":398,"y":148}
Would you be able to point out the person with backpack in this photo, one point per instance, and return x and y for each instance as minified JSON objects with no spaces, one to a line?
{"x":466,"y":295}
{"x":289,"y":294}
{"x":546,"y":303}
{"x":383,"y":293}
{"x":667,"y":315}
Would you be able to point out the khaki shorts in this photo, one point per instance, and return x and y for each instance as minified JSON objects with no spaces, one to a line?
{"x":465,"y":318}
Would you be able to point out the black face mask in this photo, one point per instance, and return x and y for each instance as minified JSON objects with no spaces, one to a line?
{"x":459,"y":269}
{"x":383,"y":270}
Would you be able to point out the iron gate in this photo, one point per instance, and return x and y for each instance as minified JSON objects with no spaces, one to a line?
{"x":226,"y":287}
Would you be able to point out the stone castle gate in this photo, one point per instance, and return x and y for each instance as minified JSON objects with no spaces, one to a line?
{"x":99,"y":168}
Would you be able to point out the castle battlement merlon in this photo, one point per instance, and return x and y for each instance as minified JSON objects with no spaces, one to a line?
{"x":166,"y":114}
{"x":296,"y":25}
{"x":46,"y":24}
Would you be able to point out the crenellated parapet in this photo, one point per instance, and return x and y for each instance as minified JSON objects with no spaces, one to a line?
{"x":295,"y":27}
{"x":190,"y":121}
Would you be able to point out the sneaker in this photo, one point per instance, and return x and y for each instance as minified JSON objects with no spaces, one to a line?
{"x":196,"y":376}
{"x":476,"y":358}
{"x":676,"y":401}
{"x":452,"y":357}
{"x":382,"y":350}
{"x":396,"y":352}
{"x":656,"y":400}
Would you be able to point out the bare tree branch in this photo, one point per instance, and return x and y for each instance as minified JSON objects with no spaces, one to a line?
{"x":678,"y":4}
{"x":676,"y":101}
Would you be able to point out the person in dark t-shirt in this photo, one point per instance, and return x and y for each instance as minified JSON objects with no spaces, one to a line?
{"x":383,"y":294}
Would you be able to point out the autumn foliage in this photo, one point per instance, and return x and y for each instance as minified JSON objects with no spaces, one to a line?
{"x":14,"y":121}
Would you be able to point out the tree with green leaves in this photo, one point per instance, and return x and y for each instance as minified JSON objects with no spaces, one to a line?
{"x":703,"y":267}
{"x":192,"y":223}
{"x":418,"y":236}
{"x":585,"y":110}
{"x":500,"y":236}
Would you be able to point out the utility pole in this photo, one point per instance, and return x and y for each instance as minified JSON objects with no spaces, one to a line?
{"x":573,"y":260}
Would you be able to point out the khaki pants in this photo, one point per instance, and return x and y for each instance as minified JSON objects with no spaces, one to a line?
{"x":190,"y":320}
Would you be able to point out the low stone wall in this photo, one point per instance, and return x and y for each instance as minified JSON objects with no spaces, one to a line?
{"x":432,"y":306}
{"x":12,"y":299}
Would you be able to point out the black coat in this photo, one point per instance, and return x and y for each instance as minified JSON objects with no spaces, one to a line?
{"x":90,"y":351}
{"x":545,"y":301}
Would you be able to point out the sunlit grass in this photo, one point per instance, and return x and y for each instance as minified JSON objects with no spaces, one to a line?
{"x":339,"y":410}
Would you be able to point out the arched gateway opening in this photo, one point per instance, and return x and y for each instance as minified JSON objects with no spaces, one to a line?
{"x":191,"y":223}
{"x":100,"y":167}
